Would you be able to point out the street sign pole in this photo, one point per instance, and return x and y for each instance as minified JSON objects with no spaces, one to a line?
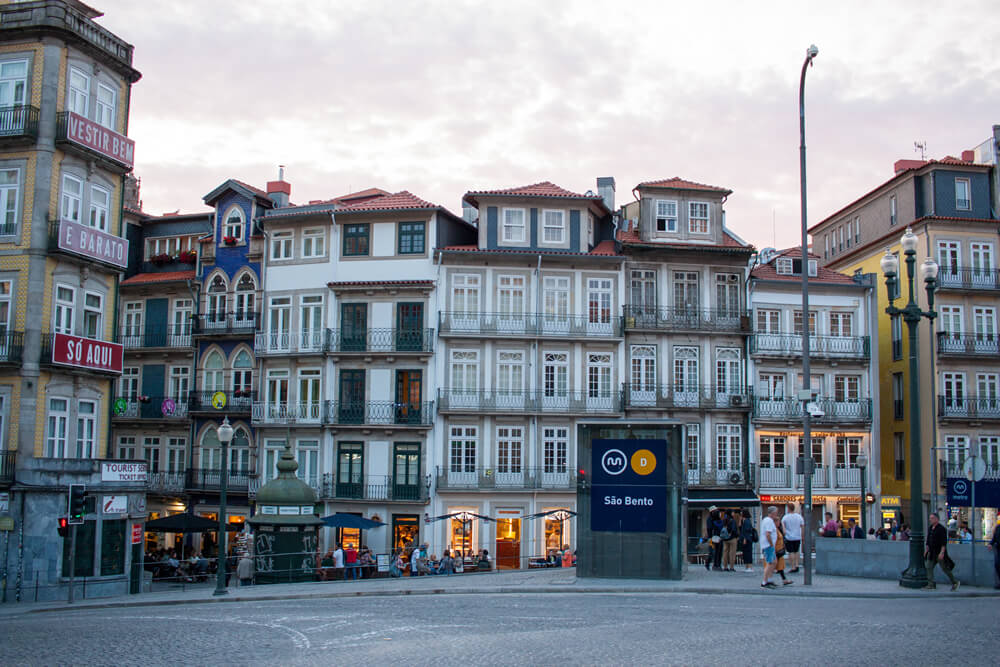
{"x":975,"y":470}
{"x":72,"y":562}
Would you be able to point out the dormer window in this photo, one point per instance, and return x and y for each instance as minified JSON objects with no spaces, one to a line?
{"x":513,"y":225}
{"x":784,"y":266}
{"x":963,"y":196}
{"x":788,"y":266}
{"x":232,"y":226}
{"x":553,"y":226}
{"x":698,"y":217}
{"x":666,"y":215}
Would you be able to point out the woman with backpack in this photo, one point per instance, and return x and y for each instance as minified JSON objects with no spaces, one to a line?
{"x":729,"y":535}
{"x":747,"y":536}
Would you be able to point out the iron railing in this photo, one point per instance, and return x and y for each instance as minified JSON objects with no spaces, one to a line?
{"x":686,"y":319}
{"x":234,"y":401}
{"x":204,"y":479}
{"x":603,"y":325}
{"x":149,"y":407}
{"x":737,"y":475}
{"x":521,"y":402}
{"x":224,"y":324}
{"x":364,"y":341}
{"x":19,"y":120}
{"x":701,"y":397}
{"x":291,"y":342}
{"x":378,"y":413}
{"x":968,"y":345}
{"x":170,"y":336}
{"x":11,"y":347}
{"x":953,"y":469}
{"x":308,"y":412}
{"x":830,"y":347}
{"x":512,"y":477}
{"x":833,"y":411}
{"x":8,"y":458}
{"x":375,"y":487}
{"x":165,"y":482}
{"x":968,"y":408}
{"x":824,"y":477}
{"x":968,"y":278}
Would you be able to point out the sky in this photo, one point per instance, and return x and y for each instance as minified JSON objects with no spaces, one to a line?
{"x":439,"y":98}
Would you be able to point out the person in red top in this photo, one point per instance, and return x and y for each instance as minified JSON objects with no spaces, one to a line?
{"x":351,"y":562}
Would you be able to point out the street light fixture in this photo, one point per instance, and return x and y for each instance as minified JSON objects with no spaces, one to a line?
{"x":225,"y":432}
{"x":861,"y":460}
{"x":915,"y":574}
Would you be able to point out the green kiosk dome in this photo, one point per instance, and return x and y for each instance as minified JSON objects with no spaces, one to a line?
{"x":286,"y":527}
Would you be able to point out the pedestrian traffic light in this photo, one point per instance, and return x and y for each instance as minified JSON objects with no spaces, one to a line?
{"x":581,"y":478}
{"x":63,"y":526}
{"x":77,"y":503}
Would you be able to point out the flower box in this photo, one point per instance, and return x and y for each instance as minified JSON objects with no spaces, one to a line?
{"x":229,"y":240}
{"x":161,"y":260}
{"x":187,"y":257}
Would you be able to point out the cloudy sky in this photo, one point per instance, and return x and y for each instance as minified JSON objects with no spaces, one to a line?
{"x":443,"y":97}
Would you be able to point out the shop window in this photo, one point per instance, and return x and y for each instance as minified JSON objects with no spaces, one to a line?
{"x":112,"y":547}
{"x":85,"y":540}
{"x":405,"y":530}
{"x":462,"y":535}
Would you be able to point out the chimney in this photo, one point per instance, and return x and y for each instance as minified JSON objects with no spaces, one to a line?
{"x":469,"y":213}
{"x":606,"y":188}
{"x":902,"y":165}
{"x":279,"y":191}
{"x":968,"y":156}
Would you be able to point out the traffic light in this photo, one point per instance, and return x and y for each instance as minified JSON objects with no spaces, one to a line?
{"x":63,"y":526}
{"x":581,"y":478}
{"x":77,"y":503}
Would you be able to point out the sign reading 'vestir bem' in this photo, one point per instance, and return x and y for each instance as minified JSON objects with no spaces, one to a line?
{"x":100,"y":139}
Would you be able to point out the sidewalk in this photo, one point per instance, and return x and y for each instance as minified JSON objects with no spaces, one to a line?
{"x":555,"y":580}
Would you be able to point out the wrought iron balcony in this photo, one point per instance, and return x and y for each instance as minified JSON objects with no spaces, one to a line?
{"x":954,"y":469}
{"x":312,"y":341}
{"x":375,"y":488}
{"x":166,"y":482}
{"x":967,"y":345}
{"x":528,"y":325}
{"x":63,"y":18}
{"x":381,"y":341}
{"x":558,"y":401}
{"x":651,"y":318}
{"x":737,"y":475}
{"x":237,"y":480}
{"x":226,"y":324}
{"x":979,"y":409}
{"x":968,"y":278}
{"x":834,"y":411}
{"x":783,"y":477}
{"x":287,"y":413}
{"x":232,"y":401}
{"x":19,"y":122}
{"x":829,"y":347}
{"x":133,"y":338}
{"x":8,"y":458}
{"x":149,"y":407}
{"x":11,"y":347}
{"x":512,"y":478}
{"x":698,"y":397}
{"x":379,"y":413}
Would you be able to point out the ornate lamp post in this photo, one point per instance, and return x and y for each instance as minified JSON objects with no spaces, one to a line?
{"x":225,"y":435}
{"x":915,"y":574}
{"x":861,"y":460}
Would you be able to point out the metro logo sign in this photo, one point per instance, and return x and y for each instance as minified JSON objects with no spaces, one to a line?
{"x":82,"y":352}
{"x":100,"y":139}
{"x":92,"y":243}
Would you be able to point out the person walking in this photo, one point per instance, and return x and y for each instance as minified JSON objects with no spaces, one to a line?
{"x":768,"y":545}
{"x":746,"y":539}
{"x":713,"y":530}
{"x":854,"y":530}
{"x":351,"y":562}
{"x":792,"y":524}
{"x":244,"y":570}
{"x":779,"y":554}
{"x":729,"y":535}
{"x":994,"y":546}
{"x":936,"y":553}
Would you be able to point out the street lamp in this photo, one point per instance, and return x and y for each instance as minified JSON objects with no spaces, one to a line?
{"x":806,"y":394}
{"x":915,"y":575}
{"x":225,"y":432}
{"x":861,"y":460}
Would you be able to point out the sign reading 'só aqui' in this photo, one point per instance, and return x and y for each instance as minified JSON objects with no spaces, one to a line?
{"x":98,"y":355}
{"x":629,"y":489}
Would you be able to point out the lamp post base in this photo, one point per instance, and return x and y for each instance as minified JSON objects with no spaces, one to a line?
{"x":220,"y":591}
{"x":914,"y":576}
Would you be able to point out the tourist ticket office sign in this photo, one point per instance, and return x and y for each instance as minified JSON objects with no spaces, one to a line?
{"x":629,"y":487}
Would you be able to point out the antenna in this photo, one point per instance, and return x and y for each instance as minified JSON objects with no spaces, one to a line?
{"x":920,"y":147}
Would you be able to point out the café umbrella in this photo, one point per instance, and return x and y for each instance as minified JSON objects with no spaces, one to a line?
{"x":341,"y":520}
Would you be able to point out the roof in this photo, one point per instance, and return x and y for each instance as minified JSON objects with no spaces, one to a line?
{"x":729,"y":242}
{"x":823,"y":275}
{"x":678,"y":183}
{"x":239,"y":186}
{"x":399,"y":201}
{"x":382,"y":283}
{"x":160,"y":277}
{"x":602,"y":249}
{"x":543,"y":190}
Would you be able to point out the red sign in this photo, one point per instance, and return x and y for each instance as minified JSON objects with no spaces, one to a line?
{"x":86,"y":353}
{"x":765,"y":499}
{"x":100,"y":139}
{"x":136,"y":533}
{"x":92,"y":243}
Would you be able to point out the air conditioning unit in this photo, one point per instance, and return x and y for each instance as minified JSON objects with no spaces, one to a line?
{"x":735,"y":478}
{"x":737,"y":401}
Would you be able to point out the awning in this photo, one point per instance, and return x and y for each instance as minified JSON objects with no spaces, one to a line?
{"x":721,"y":497}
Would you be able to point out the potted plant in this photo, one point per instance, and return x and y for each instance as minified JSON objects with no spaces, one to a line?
{"x":144,"y":399}
{"x":161,"y":259}
{"x":187,"y":256}
{"x":229,"y":240}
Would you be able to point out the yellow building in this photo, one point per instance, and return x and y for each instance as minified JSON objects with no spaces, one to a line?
{"x":64,"y":99}
{"x":947,"y":203}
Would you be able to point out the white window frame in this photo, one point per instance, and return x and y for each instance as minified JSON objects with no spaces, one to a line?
{"x":57,"y":427}
{"x":126,"y":447}
{"x":62,"y":308}
{"x":665,"y":211}
{"x":510,"y":225}
{"x":78,"y":98}
{"x":281,"y":245}
{"x":893,"y":211}
{"x":233,"y":229}
{"x":783,"y":266}
{"x":728,"y":447}
{"x":465,"y":289}
{"x":696,"y":221}
{"x":555,"y":449}
{"x":557,"y":225}
{"x":464,"y":441}
{"x":963,"y":204}
{"x":313,"y":243}
{"x":10,"y":200}
{"x":100,"y":208}
{"x":93,"y":314}
{"x":105,"y":110}
{"x":71,"y":205}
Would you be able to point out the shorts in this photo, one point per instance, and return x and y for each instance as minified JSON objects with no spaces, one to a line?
{"x":768,"y":553}
{"x":792,"y":546}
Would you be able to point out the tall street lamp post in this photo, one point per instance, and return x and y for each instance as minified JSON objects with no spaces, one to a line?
{"x":806,"y":394}
{"x":225,"y":435}
{"x":861,"y":460}
{"x":915,"y":574}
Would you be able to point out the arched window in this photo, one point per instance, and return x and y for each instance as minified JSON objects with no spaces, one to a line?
{"x":239,"y":452}
{"x":232,"y":224}
{"x":246,"y":292}
{"x":210,"y":450}
{"x":212,"y":375}
{"x":242,"y":378}
{"x":215,"y":308}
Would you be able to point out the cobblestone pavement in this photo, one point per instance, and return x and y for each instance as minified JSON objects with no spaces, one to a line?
{"x":656,"y":628}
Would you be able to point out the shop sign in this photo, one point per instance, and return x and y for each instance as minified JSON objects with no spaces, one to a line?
{"x":136,"y":533}
{"x":123,"y":472}
{"x":93,"y":243}
{"x":629,"y":489}
{"x":960,"y":490}
{"x":82,"y":352}
{"x":100,"y":139}
{"x":114,"y":505}
{"x":382,"y":562}
{"x":891,"y":501}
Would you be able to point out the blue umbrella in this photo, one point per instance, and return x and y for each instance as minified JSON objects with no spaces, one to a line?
{"x":340,"y":520}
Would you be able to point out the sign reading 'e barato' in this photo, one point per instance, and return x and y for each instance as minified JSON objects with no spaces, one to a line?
{"x":82,"y":352}
{"x":93,"y":243}
{"x":100,"y":139}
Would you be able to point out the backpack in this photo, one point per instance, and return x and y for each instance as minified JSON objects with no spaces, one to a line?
{"x":754,"y":536}
{"x":725,"y":534}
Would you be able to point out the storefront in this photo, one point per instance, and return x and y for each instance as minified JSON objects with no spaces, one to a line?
{"x":889,"y":510}
{"x":405,"y":531}
{"x":508,"y":538}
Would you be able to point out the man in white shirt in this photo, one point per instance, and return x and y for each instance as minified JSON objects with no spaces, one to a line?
{"x":792,"y":524}
{"x":338,"y":563}
{"x":768,"y":540}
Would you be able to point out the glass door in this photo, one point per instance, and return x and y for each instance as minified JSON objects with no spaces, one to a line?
{"x":353,"y":327}
{"x":350,"y":470}
{"x":352,"y":397}
{"x":409,"y":387}
{"x":406,"y":471}
{"x":409,"y":327}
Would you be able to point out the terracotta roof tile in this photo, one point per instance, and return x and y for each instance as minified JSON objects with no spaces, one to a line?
{"x":403,"y":200}
{"x":628,"y":236}
{"x":678,"y":183}
{"x":256,"y":191}
{"x":161,"y":277}
{"x":602,"y":249}
{"x":823,"y":275}
{"x":543,"y":189}
{"x":377,"y":283}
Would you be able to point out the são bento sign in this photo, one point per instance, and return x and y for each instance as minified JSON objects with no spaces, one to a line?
{"x":629,"y":489}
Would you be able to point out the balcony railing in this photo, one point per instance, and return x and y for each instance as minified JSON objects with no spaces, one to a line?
{"x":7,"y":460}
{"x":166,"y":482}
{"x":968,"y":408}
{"x":968,"y":278}
{"x":783,"y":477}
{"x":650,"y":318}
{"x":232,"y":401}
{"x":514,"y":478}
{"x":62,"y":16}
{"x":381,"y":341}
{"x":952,"y":469}
{"x":288,"y":413}
{"x":291,"y":342}
{"x":45,"y":358}
{"x":701,"y":397}
{"x":733,"y":475}
{"x":19,"y":121}
{"x":203,"y":479}
{"x":521,"y":402}
{"x":968,"y":345}
{"x":790,"y":345}
{"x":789,"y":409}
{"x":223,"y":324}
{"x":171,"y":336}
{"x":378,"y":413}
{"x":11,"y":347}
{"x":528,"y":325}
{"x":149,"y":407}
{"x":375,"y":487}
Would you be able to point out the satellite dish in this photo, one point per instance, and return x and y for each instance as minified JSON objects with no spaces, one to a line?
{"x":974,"y":468}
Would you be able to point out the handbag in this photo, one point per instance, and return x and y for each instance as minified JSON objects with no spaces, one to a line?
{"x":716,"y":539}
{"x":779,"y":554}
{"x":948,"y":562}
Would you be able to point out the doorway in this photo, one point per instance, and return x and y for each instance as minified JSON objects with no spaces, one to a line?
{"x":409,"y":390}
{"x":508,"y":544}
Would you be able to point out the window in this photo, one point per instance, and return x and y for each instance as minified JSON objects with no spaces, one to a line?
{"x":897,"y":396}
{"x":555,"y":445}
{"x":356,"y":240}
{"x":772,"y":452}
{"x":83,"y":563}
{"x":555,"y":291}
{"x":771,"y":386}
{"x":643,"y":291}
{"x":79,"y":91}
{"x":126,"y":447}
{"x":685,"y":372}
{"x":272,"y":453}
{"x":698,"y":217}
{"x":277,"y":393}
{"x":465,"y":293}
{"x":729,"y":455}
{"x":309,"y":393}
{"x":313,"y":243}
{"x":106,"y":103}
{"x":553,"y":227}
{"x":510,"y":442}
{"x":954,"y":392}
{"x":412,"y":238}
{"x":841,"y":245}
{"x":727,"y":294}
{"x":768,"y":320}
{"x":243,"y":372}
{"x":513,"y":225}
{"x":643,"y":368}
{"x":817,"y":450}
{"x":893,"y":212}
{"x":511,"y":297}
{"x":181,"y":320}
{"x":233,"y":224}
{"x":57,"y":427}
{"x":949,"y":257}
{"x":847,"y":452}
{"x":245,"y":300}
{"x":797,"y":322}
{"x":10,"y":184}
{"x":692,"y":445}
{"x":464,"y":373}
{"x":846,"y":388}
{"x":951,"y":321}
{"x":5,"y":294}
{"x":510,"y":372}
{"x":857,"y":230}
{"x":463,"y":449}
{"x":599,"y":377}
{"x":128,"y":383}
{"x":984,"y":320}
{"x":72,"y":198}
{"x":64,"y":309}
{"x":555,"y":374}
{"x":841,"y":324}
{"x":13,"y":85}
{"x":896,"y":330}
{"x":956,"y":450}
{"x":212,"y":373}
{"x":989,"y":451}
{"x":686,"y":291}
{"x":307,"y":455}
{"x":599,"y":301}
{"x":849,"y":233}
{"x":963,"y":194}
{"x":281,"y":245}
{"x":176,"y":448}
{"x":151,"y":453}
{"x":666,"y":215}
{"x":826,"y":245}
{"x":727,"y":370}
{"x":100,"y":203}
{"x":93,"y":309}
{"x":180,"y":377}
{"x":783,"y":266}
